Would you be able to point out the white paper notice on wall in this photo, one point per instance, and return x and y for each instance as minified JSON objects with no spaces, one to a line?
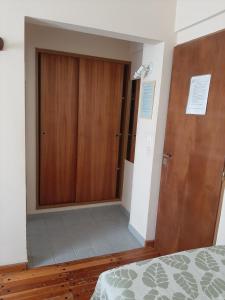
{"x":147,"y":99}
{"x":198,"y":95}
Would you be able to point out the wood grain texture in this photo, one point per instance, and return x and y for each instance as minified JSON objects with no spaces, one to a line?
{"x":76,"y":55}
{"x":191,"y":180}
{"x":100,"y":96}
{"x":58,"y":98}
{"x":13,"y":268}
{"x":150,"y":243}
{"x":75,"y":280}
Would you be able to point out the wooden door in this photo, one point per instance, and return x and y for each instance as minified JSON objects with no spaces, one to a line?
{"x":100,"y":98}
{"x":194,"y":150}
{"x":58,"y":98}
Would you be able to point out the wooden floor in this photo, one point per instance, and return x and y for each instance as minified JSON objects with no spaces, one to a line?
{"x":73,"y":280}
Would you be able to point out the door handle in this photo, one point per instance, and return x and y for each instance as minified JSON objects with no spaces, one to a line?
{"x":167,"y":155}
{"x":166,"y":158}
{"x":223,"y":173}
{"x":223,"y":176}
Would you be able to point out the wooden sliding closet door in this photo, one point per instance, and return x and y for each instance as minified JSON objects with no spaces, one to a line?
{"x":100,"y":99}
{"x":58,"y":98}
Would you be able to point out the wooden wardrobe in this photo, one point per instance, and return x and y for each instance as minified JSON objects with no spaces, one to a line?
{"x":194,"y":151}
{"x":82,"y":121}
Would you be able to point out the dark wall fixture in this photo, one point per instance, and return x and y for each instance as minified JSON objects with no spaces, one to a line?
{"x":133,"y":119}
{"x":1,"y":44}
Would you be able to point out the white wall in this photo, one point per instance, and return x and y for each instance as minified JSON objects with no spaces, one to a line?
{"x":112,"y":18}
{"x":12,"y":140}
{"x":136,"y":54}
{"x":160,"y":126}
{"x":62,"y":40}
{"x":190,"y":12}
{"x":208,"y":26}
{"x":198,"y":18}
{"x":127,"y":185}
{"x":144,"y":203}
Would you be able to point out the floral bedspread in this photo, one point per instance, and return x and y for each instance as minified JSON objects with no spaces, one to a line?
{"x":195,"y":274}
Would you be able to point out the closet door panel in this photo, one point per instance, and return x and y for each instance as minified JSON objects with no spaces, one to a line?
{"x":58,"y":98}
{"x":100,"y":96}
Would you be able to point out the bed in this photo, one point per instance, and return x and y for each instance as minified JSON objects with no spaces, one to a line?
{"x":194,"y":274}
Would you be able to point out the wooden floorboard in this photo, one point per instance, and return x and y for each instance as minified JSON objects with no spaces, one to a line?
{"x":72,"y":280}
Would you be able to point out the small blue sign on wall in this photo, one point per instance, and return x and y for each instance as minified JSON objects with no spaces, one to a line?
{"x":147,"y":99}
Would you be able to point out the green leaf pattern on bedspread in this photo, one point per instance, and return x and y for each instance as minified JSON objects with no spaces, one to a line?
{"x":188,"y":283}
{"x":177,"y":261}
{"x":126,"y":295}
{"x":155,"y":276}
{"x":218,"y":250}
{"x":154,"y":295}
{"x":205,"y":261}
{"x":143,"y":262}
{"x":121,"y":278}
{"x":212,"y":287}
{"x":180,"y":296}
{"x":189,"y":275}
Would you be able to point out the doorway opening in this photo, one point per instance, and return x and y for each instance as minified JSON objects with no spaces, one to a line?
{"x":81,"y":114}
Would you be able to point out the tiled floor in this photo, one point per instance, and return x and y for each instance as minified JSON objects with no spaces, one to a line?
{"x":69,"y":235}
